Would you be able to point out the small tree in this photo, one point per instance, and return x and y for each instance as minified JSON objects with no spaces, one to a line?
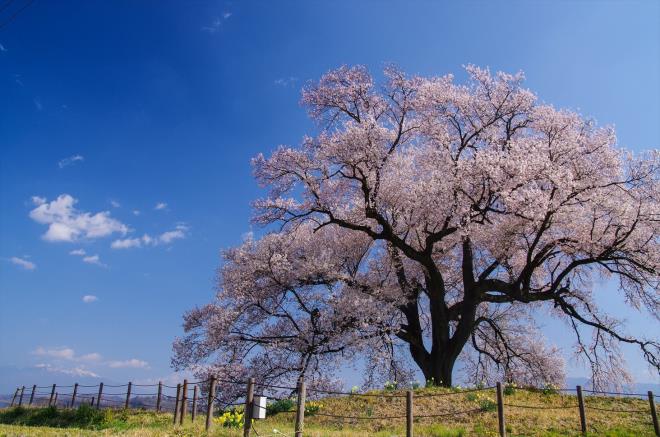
{"x":431,"y":221}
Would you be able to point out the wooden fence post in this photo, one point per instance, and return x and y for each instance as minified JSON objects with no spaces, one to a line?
{"x":160,"y":393}
{"x":300,"y":410}
{"x":583,"y":416}
{"x":194,"y":404}
{"x":55,"y":401}
{"x":73,"y":397}
{"x":14,"y":398}
{"x":209,"y":404}
{"x":654,"y":414}
{"x":34,"y":388}
{"x":20,"y":399}
{"x":500,"y":410}
{"x":98,"y":398}
{"x":176,"y":403}
{"x":128,"y":395}
{"x":409,"y":413}
{"x":52,"y":395}
{"x":249,"y":402}
{"x":92,"y":402}
{"x":184,"y":401}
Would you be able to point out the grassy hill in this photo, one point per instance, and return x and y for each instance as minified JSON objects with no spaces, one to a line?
{"x":545,"y":414}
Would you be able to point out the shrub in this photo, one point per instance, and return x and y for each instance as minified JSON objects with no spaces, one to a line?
{"x":280,"y":406}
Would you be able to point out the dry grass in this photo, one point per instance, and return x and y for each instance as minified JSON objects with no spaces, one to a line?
{"x":550,"y":415}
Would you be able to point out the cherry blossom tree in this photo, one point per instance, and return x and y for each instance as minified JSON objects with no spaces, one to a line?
{"x":428,"y":223}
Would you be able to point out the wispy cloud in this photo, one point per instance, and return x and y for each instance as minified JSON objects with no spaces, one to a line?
{"x":59,"y":356}
{"x":179,"y":233}
{"x":286,"y":81}
{"x":37,"y":103}
{"x":66,"y":223}
{"x":216,"y":24}
{"x":172,"y":379}
{"x":76,"y":371}
{"x":64,"y":353}
{"x":94,"y":259}
{"x":27,"y":265}
{"x":89,"y":298}
{"x":94,"y":356}
{"x":127,"y":243}
{"x":136,"y":212}
{"x":71,"y":160}
{"x":133,"y":363}
{"x":160,"y":206}
{"x":115,"y":204}
{"x":2,"y":48}
{"x":89,"y":259}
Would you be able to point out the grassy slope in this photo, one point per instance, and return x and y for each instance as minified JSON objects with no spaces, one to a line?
{"x":520,"y":422}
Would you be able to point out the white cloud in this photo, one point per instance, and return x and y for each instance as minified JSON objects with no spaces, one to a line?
{"x":89,"y":298}
{"x":132,"y":363}
{"x":213,"y":27}
{"x":38,"y":200}
{"x":37,"y":104}
{"x":136,"y":212}
{"x":63,"y":353}
{"x":115,"y":204}
{"x":66,"y":223}
{"x":94,"y":356}
{"x":93,"y":259}
{"x":71,"y":160}
{"x":172,"y":379}
{"x":27,"y":265}
{"x":168,"y":237}
{"x":216,"y":24}
{"x":76,"y":371}
{"x":286,"y":81}
{"x":60,"y":354}
{"x":2,"y":48}
{"x":126,"y":243}
{"x":160,"y":205}
{"x":89,"y":259}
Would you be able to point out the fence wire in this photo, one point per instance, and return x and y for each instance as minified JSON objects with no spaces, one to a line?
{"x":50,"y":395}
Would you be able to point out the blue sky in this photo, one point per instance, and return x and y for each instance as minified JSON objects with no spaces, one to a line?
{"x":147,"y":114}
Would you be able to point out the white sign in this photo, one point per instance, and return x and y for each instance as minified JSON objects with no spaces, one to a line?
{"x":259,"y":407}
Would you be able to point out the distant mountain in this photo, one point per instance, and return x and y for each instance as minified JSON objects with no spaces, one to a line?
{"x":12,"y":377}
{"x":640,"y":387}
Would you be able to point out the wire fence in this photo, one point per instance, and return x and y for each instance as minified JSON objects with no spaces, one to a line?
{"x":190,"y":397}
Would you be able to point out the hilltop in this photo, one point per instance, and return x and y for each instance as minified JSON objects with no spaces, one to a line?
{"x":537,"y":413}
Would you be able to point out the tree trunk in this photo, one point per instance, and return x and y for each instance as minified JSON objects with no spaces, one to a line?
{"x":438,"y":371}
{"x":438,"y":364}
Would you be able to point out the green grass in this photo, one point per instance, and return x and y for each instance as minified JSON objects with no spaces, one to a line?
{"x":541,"y":421}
